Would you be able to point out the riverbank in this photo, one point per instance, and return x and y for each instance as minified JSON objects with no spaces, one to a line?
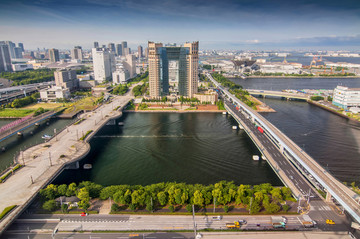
{"x":295,"y":77}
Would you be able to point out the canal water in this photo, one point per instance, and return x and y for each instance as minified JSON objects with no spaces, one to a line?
{"x":161,"y":147}
{"x":31,"y":136}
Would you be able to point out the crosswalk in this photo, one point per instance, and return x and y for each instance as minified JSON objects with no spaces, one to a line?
{"x":320,"y":208}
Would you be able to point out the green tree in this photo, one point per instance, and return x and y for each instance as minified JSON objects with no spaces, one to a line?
{"x":198,"y":198}
{"x":71,"y":190}
{"x":93,"y":188}
{"x":62,"y":189}
{"x":114,"y":207}
{"x":171,"y":208}
{"x":272,"y":207}
{"x":50,"y":192}
{"x":188,"y":208}
{"x":226,"y":208}
{"x":83,"y":194}
{"x":255,"y":207}
{"x":64,"y":208}
{"x":50,"y":205}
{"x":149,"y":207}
{"x":162,"y":198}
{"x":84,"y":204}
{"x":132,"y":207}
{"x":285,"y":207}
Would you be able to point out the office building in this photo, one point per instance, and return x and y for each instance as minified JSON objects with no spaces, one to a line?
{"x":5,"y":59}
{"x":123,"y":47}
{"x":54,"y":55}
{"x":21,"y":46}
{"x":18,"y":52}
{"x":76,"y":53}
{"x":345,"y":97}
{"x":11,"y":46}
{"x":103,"y":63}
{"x":130,"y":65}
{"x":120,"y":76}
{"x":118,"y":50}
{"x":140,"y":51}
{"x":96,"y":44}
{"x":67,"y":79}
{"x":53,"y":93}
{"x":187,"y":72}
{"x":111,"y":47}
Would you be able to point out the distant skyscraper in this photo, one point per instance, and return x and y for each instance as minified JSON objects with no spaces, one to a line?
{"x":111,"y":47}
{"x":18,"y":52}
{"x":140,"y":51}
{"x":76,"y":53}
{"x":11,"y":46}
{"x":188,"y":60}
{"x":96,"y":44}
{"x":146,"y":52}
{"x":54,"y":55}
{"x":66,"y":79}
{"x":123,"y":47}
{"x":5,"y":59}
{"x":22,"y":46}
{"x":103,"y":63}
{"x":130,"y":64}
{"x":118,"y":49}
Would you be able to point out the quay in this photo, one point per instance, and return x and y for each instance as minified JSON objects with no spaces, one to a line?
{"x":43,"y":162}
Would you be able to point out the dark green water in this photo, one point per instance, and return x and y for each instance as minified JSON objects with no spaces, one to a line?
{"x":160,"y":147}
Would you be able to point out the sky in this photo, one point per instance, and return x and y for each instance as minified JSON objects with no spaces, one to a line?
{"x":221,"y":24}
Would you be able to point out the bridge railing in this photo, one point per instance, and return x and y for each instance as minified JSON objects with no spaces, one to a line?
{"x":14,"y":123}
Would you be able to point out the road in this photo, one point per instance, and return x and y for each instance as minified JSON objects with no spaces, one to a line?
{"x":45,"y":161}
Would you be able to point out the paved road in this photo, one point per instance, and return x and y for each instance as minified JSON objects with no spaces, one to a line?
{"x":44,"y":161}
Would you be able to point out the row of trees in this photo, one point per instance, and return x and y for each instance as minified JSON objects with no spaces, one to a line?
{"x":120,"y":89}
{"x":29,"y":76}
{"x":225,"y":82}
{"x":255,"y":198}
{"x":140,"y":89}
{"x":143,"y":77}
{"x":18,"y":103}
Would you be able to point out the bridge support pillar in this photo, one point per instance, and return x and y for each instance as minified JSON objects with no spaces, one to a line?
{"x":328,"y":197}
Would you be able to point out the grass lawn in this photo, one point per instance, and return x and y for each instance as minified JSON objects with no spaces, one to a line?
{"x":47,"y":106}
{"x":15,"y":112}
{"x":83,"y":104}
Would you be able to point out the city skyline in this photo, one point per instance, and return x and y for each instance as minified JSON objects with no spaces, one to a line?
{"x":229,"y":24}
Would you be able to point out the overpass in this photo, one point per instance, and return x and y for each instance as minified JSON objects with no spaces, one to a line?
{"x":282,"y":94}
{"x":45,"y":161}
{"x":8,"y":132}
{"x":315,"y":173}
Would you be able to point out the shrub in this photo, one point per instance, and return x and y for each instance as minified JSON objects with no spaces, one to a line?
{"x":285,"y":207}
{"x":132,"y":207}
{"x":226,"y":208}
{"x":171,"y":208}
{"x":6,"y":211}
{"x":188,"y":208}
{"x":115,"y":207}
{"x":50,"y":205}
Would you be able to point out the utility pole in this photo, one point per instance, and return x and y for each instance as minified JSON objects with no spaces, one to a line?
{"x":214,"y":203}
{"x":251,"y":199}
{"x":22,"y":156}
{"x":50,"y":158}
{"x":193,"y":211}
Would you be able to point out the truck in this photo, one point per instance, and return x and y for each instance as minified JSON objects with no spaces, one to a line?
{"x":260,"y":129}
{"x":231,"y":225}
{"x":307,"y":221}
{"x":278,"y":222}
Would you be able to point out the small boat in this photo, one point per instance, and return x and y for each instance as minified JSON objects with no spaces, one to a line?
{"x":255,"y":157}
{"x":121,"y":123}
{"x":234,"y":127}
{"x":87,"y":166}
{"x":46,"y":136}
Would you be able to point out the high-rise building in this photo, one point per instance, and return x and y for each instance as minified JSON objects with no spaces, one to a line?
{"x":146,"y":52}
{"x":67,"y":79}
{"x":96,"y":44}
{"x":111,"y":47}
{"x":188,"y":60}
{"x":118,"y":50}
{"x":5,"y":59}
{"x":18,"y":52}
{"x":21,"y":46}
{"x":76,"y":53}
{"x":140,"y":51}
{"x":104,"y":64}
{"x":130,"y":65}
{"x":54,"y":55}
{"x":123,"y":47}
{"x":346,"y":97}
{"x":11,"y":46}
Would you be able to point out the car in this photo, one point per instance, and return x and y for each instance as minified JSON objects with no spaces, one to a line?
{"x":217,"y":218}
{"x":83,"y":214}
{"x":329,"y":221}
{"x":242,"y":221}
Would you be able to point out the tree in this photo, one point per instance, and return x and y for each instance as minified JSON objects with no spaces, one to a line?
{"x":62,"y":189}
{"x":198,"y":198}
{"x":276,"y":194}
{"x":162,"y":198}
{"x":188,"y":208}
{"x":64,"y":208}
{"x":115,"y":207}
{"x":255,"y":207}
{"x":71,"y":190}
{"x":272,"y":207}
{"x":50,"y":205}
{"x":149,"y":207}
{"x":171,"y":208}
{"x":50,"y":192}
{"x":226,"y":208}
{"x":83,"y":194}
{"x":93,"y":188}
{"x":132,"y":207}
{"x":84,"y":204}
{"x":285,"y":207}
{"x":259,"y":196}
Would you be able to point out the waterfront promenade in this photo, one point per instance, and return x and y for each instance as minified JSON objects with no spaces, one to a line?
{"x":45,"y":161}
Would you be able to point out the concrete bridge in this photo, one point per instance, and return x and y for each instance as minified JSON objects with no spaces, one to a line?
{"x":25,"y":124}
{"x":281,"y":94}
{"x":45,"y":161}
{"x":287,"y":149}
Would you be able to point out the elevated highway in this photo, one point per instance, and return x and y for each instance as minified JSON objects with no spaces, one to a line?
{"x":316,"y":174}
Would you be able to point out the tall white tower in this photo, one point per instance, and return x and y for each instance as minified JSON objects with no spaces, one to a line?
{"x":104,"y":64}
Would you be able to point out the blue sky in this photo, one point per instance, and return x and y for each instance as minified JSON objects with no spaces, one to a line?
{"x":222,"y":24}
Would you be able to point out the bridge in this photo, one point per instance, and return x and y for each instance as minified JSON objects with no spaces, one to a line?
{"x":282,"y":94}
{"x":45,"y":161}
{"x":288,"y":150}
{"x":8,"y":132}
